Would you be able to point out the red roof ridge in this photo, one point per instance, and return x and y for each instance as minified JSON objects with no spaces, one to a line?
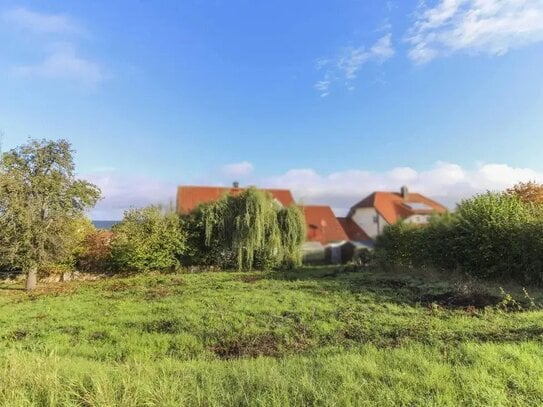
{"x":190,"y":196}
{"x":393,"y":206}
{"x":322,"y":224}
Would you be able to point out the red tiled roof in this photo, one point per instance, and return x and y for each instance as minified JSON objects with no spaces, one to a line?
{"x":322,"y":225}
{"x":392,"y":206}
{"x":189,"y":197}
{"x":353,"y":231}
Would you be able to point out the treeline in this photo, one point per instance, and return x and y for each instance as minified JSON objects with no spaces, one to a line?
{"x":246,"y":231}
{"x":44,"y":227}
{"x":492,"y":235}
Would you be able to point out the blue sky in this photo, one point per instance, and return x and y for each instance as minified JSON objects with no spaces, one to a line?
{"x":331,"y":99}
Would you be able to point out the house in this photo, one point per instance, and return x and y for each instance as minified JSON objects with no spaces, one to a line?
{"x":325,"y":235}
{"x":189,"y":197}
{"x":380,"y":209}
{"x":324,"y":232}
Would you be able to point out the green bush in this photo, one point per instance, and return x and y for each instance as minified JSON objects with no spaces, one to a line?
{"x":492,"y":235}
{"x":95,"y":251}
{"x":147,"y":239}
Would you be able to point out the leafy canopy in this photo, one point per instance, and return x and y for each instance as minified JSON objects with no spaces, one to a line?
{"x":530,"y":192}
{"x":248,"y":230}
{"x":148,"y":239}
{"x":40,"y":197}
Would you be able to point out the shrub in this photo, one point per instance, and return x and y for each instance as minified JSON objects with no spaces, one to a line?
{"x":492,"y":235}
{"x":148,"y":238}
{"x":399,"y":245}
{"x":96,"y":251}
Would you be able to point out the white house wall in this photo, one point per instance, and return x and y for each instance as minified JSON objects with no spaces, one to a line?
{"x":365,"y":219}
{"x":418,"y":219}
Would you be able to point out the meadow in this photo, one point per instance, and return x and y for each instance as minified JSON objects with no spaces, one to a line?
{"x":315,"y":336}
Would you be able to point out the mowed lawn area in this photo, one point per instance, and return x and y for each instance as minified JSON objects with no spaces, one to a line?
{"x":322,"y":336}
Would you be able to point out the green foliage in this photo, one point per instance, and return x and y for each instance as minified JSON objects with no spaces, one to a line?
{"x":246,"y":231}
{"x":492,"y":235}
{"x":147,"y":239}
{"x":95,"y":252}
{"x":40,"y":199}
{"x":293,"y":231}
{"x":399,"y":244}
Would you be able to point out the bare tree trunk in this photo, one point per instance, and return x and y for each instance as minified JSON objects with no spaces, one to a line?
{"x":31,"y":279}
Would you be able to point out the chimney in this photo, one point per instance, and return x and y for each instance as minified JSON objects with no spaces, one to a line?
{"x":235,"y":185}
{"x":404,"y":192}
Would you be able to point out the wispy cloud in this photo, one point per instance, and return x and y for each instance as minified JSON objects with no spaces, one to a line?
{"x":63,"y":62}
{"x":41,"y":23}
{"x":446,"y":182}
{"x":345,"y":67}
{"x":240,"y":169}
{"x":476,"y":26}
{"x":59,"y":37}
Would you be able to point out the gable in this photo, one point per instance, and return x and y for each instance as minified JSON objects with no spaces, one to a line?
{"x":322,"y":225}
{"x":393,"y":207}
{"x":189,"y":197}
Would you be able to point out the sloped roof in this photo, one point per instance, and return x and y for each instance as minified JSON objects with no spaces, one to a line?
{"x":189,"y":197}
{"x":322,"y":225}
{"x":392,"y":206}
{"x":352,"y":230}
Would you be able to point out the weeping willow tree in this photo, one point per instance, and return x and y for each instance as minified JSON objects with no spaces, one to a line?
{"x":251,"y":230}
{"x":292,"y":226}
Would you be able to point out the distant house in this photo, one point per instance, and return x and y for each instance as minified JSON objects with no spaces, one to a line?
{"x":189,"y":197}
{"x":331,"y":239}
{"x":325,"y":235}
{"x":379,"y":209}
{"x":324,"y":232}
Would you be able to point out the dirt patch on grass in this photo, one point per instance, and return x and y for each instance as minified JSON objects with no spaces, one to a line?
{"x":164,"y":326}
{"x":119,"y":285}
{"x":264,"y":344}
{"x":250,"y":278}
{"x":99,"y":336}
{"x":17,"y":335}
{"x":157,"y":293}
{"x":453,"y":299}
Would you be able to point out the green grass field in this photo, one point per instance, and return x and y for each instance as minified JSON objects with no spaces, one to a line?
{"x":311,"y":337}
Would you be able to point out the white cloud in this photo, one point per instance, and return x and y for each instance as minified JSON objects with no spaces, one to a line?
{"x":122,"y":192}
{"x":492,"y":27}
{"x":446,"y":182}
{"x":41,"y":23}
{"x":346,"y":66}
{"x":382,"y":49}
{"x":323,"y":86}
{"x":240,"y":169}
{"x":59,"y":60}
{"x":63,"y":62}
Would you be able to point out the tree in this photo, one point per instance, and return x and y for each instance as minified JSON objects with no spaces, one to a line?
{"x":248,"y":230}
{"x":531,"y":192}
{"x":40,"y":198}
{"x":148,"y":238}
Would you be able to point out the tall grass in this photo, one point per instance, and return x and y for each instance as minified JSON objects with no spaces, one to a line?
{"x":268,"y":339}
{"x":471,"y":374}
